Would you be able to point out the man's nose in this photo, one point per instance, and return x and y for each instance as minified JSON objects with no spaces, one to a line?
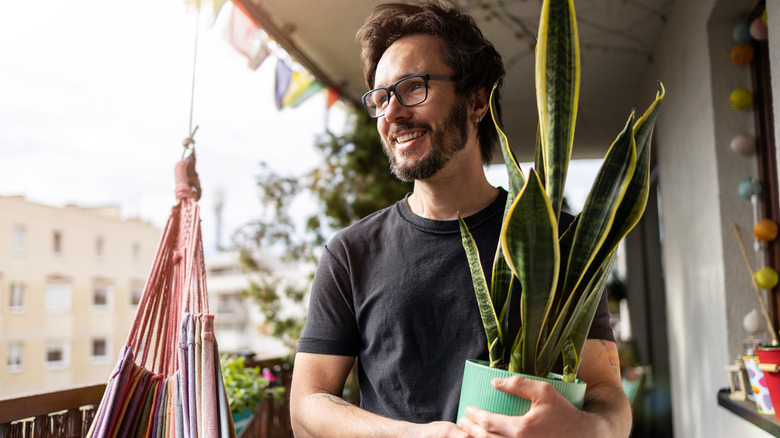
{"x":394,"y":110}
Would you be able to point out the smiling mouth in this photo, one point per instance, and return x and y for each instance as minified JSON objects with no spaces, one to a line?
{"x":410,"y":136}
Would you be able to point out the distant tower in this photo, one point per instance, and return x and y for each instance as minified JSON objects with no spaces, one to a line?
{"x":219,"y":202}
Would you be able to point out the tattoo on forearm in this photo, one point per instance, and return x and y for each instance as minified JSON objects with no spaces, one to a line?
{"x":613,"y":356}
{"x":333,"y":399}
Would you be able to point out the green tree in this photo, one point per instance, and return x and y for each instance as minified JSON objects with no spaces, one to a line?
{"x":353,"y":181}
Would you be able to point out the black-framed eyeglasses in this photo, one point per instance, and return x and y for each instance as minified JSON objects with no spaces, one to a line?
{"x":409,"y":91}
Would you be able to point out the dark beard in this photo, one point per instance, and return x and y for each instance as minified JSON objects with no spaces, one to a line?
{"x":446,"y":142}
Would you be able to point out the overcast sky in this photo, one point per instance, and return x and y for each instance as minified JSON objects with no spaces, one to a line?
{"x":95,"y":104}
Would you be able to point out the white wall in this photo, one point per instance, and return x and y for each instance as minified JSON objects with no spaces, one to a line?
{"x":707,"y":286}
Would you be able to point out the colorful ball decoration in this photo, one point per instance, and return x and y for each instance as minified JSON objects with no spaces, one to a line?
{"x":763,"y":17}
{"x":758,"y":30}
{"x":742,"y":54}
{"x":741,"y":98}
{"x":743,"y":144}
{"x":741,"y":32}
{"x":765,"y":229}
{"x":749,"y":187}
{"x":766,"y":278}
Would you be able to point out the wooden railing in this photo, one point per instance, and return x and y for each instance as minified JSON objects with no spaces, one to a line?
{"x":61,"y":414}
{"x":68,"y":413}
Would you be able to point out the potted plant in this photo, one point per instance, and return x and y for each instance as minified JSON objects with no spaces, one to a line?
{"x":246,"y":388}
{"x":562,"y":277}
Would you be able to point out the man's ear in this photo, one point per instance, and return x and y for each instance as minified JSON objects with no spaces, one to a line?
{"x":478,"y":105}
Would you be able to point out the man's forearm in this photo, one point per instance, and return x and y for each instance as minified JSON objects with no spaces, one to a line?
{"x":611,"y":405}
{"x":326,"y":415}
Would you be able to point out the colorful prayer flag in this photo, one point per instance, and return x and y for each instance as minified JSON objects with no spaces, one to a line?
{"x":301,"y":88}
{"x":283,"y":78}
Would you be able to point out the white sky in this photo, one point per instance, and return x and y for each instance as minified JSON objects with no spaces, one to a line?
{"x":95,"y":104}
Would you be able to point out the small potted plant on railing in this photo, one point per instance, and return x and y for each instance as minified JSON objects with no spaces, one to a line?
{"x":246,"y":388}
{"x":561,"y":277}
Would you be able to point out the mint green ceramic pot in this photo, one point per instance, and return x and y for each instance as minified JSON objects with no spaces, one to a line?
{"x":478,"y":391}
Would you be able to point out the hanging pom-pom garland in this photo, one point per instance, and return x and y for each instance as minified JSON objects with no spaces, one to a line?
{"x":765,"y":230}
{"x":742,"y":54}
{"x":749,"y":187}
{"x":743,"y":144}
{"x":758,"y":30}
{"x":741,"y":32}
{"x":766,"y":278}
{"x":741,"y":99}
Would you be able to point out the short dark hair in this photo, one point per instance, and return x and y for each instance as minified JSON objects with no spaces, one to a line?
{"x":473,"y":58}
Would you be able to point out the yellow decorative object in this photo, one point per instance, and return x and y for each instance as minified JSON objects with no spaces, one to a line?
{"x":766,"y":278}
{"x":741,"y":99}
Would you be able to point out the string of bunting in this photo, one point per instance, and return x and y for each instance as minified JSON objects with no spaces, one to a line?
{"x":293,"y":84}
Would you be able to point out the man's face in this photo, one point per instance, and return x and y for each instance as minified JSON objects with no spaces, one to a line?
{"x":420,"y":140}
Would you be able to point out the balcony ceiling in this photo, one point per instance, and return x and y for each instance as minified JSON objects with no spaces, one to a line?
{"x":617,"y":40}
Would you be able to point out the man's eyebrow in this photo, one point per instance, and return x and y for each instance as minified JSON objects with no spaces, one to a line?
{"x":394,"y":80}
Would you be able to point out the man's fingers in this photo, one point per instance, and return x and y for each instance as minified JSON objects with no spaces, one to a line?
{"x":520,"y":386}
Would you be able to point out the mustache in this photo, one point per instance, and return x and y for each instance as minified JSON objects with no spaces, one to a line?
{"x":407,"y":126}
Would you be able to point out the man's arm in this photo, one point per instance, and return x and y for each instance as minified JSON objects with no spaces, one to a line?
{"x":317,"y":409}
{"x":606,"y":412}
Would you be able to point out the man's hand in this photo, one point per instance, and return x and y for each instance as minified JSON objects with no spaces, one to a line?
{"x":550,"y":415}
{"x":437,"y":429}
{"x":606,"y":412}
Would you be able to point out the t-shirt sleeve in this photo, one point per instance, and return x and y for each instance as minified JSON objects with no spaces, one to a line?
{"x":331,"y":325}
{"x":600,"y":328}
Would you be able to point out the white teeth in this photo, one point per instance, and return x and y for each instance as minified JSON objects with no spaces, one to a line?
{"x":407,"y":137}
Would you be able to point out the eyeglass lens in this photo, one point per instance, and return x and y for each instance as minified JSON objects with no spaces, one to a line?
{"x":409,"y":91}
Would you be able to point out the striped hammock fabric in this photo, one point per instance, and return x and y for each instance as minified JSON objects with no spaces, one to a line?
{"x":167,"y":381}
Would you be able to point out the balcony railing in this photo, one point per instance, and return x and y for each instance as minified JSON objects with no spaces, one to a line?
{"x":69,"y":413}
{"x":62,"y":414}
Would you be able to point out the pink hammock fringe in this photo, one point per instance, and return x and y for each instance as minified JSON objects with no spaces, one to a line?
{"x":167,"y":381}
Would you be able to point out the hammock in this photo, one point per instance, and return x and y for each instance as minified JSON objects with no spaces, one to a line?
{"x":167,"y":381}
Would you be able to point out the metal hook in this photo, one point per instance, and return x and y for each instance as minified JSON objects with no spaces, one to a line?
{"x":189,"y":143}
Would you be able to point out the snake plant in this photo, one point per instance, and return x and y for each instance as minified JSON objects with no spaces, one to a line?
{"x":562,"y":277}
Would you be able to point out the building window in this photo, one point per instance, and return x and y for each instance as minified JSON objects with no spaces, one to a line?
{"x":101,"y":350}
{"x":101,"y":298}
{"x":135,"y":296}
{"x":16,"y":303}
{"x":57,"y":243}
{"x":136,"y":252}
{"x":58,"y":297}
{"x":57,"y":354}
{"x":99,"y":247}
{"x":18,"y":238}
{"x":15,"y":355}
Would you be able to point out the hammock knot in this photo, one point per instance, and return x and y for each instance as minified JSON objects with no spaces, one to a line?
{"x":177,"y":256}
{"x":187,"y":181}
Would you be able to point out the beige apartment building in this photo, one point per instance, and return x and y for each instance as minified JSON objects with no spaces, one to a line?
{"x":70,"y":281}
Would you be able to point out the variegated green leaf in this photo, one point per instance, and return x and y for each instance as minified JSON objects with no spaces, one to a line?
{"x":593,"y":226}
{"x":486,"y":311}
{"x":601,"y":205}
{"x":578,"y":334}
{"x":539,"y":155}
{"x":501,"y":284}
{"x":529,"y":237}
{"x":516,"y":179}
{"x":557,"y":92}
{"x":635,"y":199}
